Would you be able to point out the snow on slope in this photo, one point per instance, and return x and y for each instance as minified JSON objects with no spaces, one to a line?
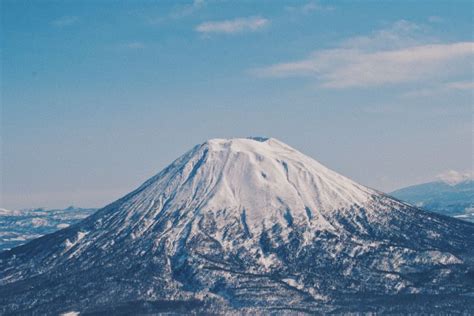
{"x":244,"y":224}
{"x":19,"y":226}
{"x":5,"y":212}
{"x":263,"y":178}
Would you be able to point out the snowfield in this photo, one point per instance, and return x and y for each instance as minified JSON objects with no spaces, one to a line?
{"x":19,"y":226}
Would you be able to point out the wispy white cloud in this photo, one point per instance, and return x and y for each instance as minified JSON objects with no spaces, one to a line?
{"x":461,"y":85}
{"x":345,"y":67}
{"x":391,"y":56}
{"x":65,"y":21}
{"x":435,"y":19}
{"x":239,"y":25}
{"x":453,"y":177}
{"x":188,"y":9}
{"x":400,"y":34}
{"x":180,"y":11}
{"x":439,"y":89}
{"x":309,"y":7}
{"x":134,"y":45}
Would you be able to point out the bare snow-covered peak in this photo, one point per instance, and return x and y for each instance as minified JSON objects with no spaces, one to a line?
{"x":226,"y":142}
{"x":263,"y":177}
{"x":262,"y":145}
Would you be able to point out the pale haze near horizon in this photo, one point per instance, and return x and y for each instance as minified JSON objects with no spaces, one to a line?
{"x":97,"y":97}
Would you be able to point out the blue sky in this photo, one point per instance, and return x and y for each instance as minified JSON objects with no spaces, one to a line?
{"x":97,"y":96}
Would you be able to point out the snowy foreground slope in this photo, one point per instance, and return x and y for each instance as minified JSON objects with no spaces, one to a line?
{"x":246,"y":225}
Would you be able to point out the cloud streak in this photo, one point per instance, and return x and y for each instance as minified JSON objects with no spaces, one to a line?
{"x":309,"y":7}
{"x":134,"y":45}
{"x":439,"y":89}
{"x":460,"y":85}
{"x":65,"y":21}
{"x":181,"y":11}
{"x":386,"y":58}
{"x":239,"y":25}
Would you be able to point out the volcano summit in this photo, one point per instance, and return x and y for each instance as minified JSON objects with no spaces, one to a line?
{"x":247,"y":225}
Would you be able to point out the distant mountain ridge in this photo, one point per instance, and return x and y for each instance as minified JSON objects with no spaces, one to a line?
{"x":20,"y":226}
{"x":453,"y":199}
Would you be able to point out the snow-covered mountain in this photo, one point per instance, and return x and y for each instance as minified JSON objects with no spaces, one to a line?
{"x":448,"y":198}
{"x":247,"y":225}
{"x":19,"y":226}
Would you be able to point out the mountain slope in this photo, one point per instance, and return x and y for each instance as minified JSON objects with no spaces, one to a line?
{"x":248,"y":225}
{"x":452,"y":199}
{"x":19,"y":226}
